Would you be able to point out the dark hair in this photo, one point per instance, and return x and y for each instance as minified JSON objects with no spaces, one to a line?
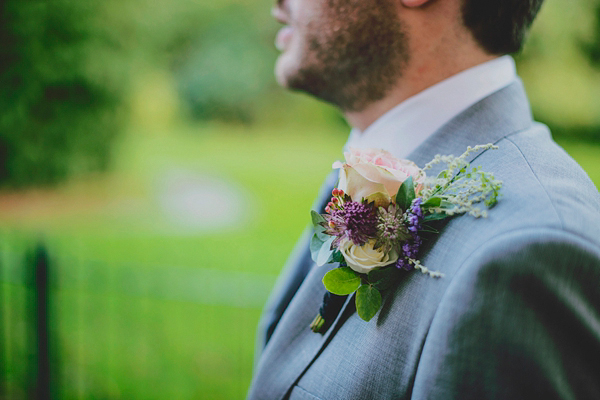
{"x":499,"y":26}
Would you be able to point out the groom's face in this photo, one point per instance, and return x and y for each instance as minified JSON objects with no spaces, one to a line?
{"x":346,"y":52}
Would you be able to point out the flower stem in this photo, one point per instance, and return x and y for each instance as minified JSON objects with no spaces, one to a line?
{"x":317,"y":324}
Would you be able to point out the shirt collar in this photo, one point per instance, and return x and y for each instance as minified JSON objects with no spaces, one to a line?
{"x":410,"y":123}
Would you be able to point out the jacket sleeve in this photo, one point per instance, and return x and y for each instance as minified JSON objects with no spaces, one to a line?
{"x":520,"y":320}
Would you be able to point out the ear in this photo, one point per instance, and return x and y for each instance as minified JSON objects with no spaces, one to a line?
{"x":414,"y":3}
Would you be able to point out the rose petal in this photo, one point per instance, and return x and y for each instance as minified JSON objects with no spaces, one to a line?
{"x":357,"y":186}
{"x":380,"y":199}
{"x":364,"y":258}
{"x":374,"y":173}
{"x":380,"y":171}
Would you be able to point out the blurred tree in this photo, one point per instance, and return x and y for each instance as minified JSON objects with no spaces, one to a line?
{"x":228,"y":71}
{"x":59,"y":111}
{"x":592,"y":47}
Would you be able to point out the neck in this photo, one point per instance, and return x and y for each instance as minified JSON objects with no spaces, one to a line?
{"x":413,"y":81}
{"x":438,"y":48}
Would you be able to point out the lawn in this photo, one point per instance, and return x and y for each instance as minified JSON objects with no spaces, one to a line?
{"x":147,"y":304}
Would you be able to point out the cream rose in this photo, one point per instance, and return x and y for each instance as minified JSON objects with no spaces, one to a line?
{"x":363,"y":259}
{"x":376,"y":174}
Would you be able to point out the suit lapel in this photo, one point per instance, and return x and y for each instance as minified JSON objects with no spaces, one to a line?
{"x":295,"y":271}
{"x":293,"y":347}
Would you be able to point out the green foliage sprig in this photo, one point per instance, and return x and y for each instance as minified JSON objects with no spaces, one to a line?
{"x":459,"y":188}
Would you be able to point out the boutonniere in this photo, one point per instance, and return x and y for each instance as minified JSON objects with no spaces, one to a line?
{"x":377,"y":214}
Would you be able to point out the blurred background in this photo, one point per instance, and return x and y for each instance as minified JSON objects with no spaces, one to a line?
{"x":154,"y":178}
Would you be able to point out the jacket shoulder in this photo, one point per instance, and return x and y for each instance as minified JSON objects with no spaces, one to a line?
{"x":519,"y":314}
{"x":518,"y":320}
{"x":543,"y":186}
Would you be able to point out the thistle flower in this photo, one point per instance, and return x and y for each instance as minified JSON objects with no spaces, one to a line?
{"x":355,"y":221}
{"x":390,"y":229}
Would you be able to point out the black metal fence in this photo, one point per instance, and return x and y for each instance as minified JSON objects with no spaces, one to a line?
{"x":25,"y":354}
{"x":39,"y":311}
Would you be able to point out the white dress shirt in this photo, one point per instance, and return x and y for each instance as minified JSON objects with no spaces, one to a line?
{"x":410,"y":123}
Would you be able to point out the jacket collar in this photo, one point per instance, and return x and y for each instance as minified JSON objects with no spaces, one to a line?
{"x":503,"y":113}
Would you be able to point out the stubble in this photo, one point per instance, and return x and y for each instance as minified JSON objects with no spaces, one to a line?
{"x":355,"y":53}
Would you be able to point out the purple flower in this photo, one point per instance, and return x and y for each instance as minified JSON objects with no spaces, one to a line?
{"x":356,"y":221}
{"x":415,"y":207}
{"x":410,"y":248}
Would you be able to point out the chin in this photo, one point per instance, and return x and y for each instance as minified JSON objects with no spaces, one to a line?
{"x":280,"y":76}
{"x":283,"y":70}
{"x":286,"y":69}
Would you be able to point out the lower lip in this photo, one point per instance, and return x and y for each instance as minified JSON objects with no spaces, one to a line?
{"x":283,"y":37}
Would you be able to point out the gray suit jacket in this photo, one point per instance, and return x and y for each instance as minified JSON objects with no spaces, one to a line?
{"x":517,"y":314}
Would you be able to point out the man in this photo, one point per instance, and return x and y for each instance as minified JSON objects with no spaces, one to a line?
{"x":517,"y":314}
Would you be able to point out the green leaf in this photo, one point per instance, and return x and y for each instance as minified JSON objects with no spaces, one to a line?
{"x":406,"y":194}
{"x":435,"y":217}
{"x":443,"y":174}
{"x":320,"y":232}
{"x":446,"y":205}
{"x":368,"y":302}
{"x":341,"y":281}
{"x":315,"y":246}
{"x":384,"y":278}
{"x":337,"y":256}
{"x":317,"y":218}
{"x":432,"y":202}
{"x":325,"y":253}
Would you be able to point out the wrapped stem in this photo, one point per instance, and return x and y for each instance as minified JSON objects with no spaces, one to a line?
{"x":330,"y":308}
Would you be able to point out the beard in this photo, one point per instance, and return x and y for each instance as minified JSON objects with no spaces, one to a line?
{"x":353,"y":55}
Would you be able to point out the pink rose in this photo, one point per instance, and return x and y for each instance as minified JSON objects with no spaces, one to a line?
{"x":376,"y":175}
